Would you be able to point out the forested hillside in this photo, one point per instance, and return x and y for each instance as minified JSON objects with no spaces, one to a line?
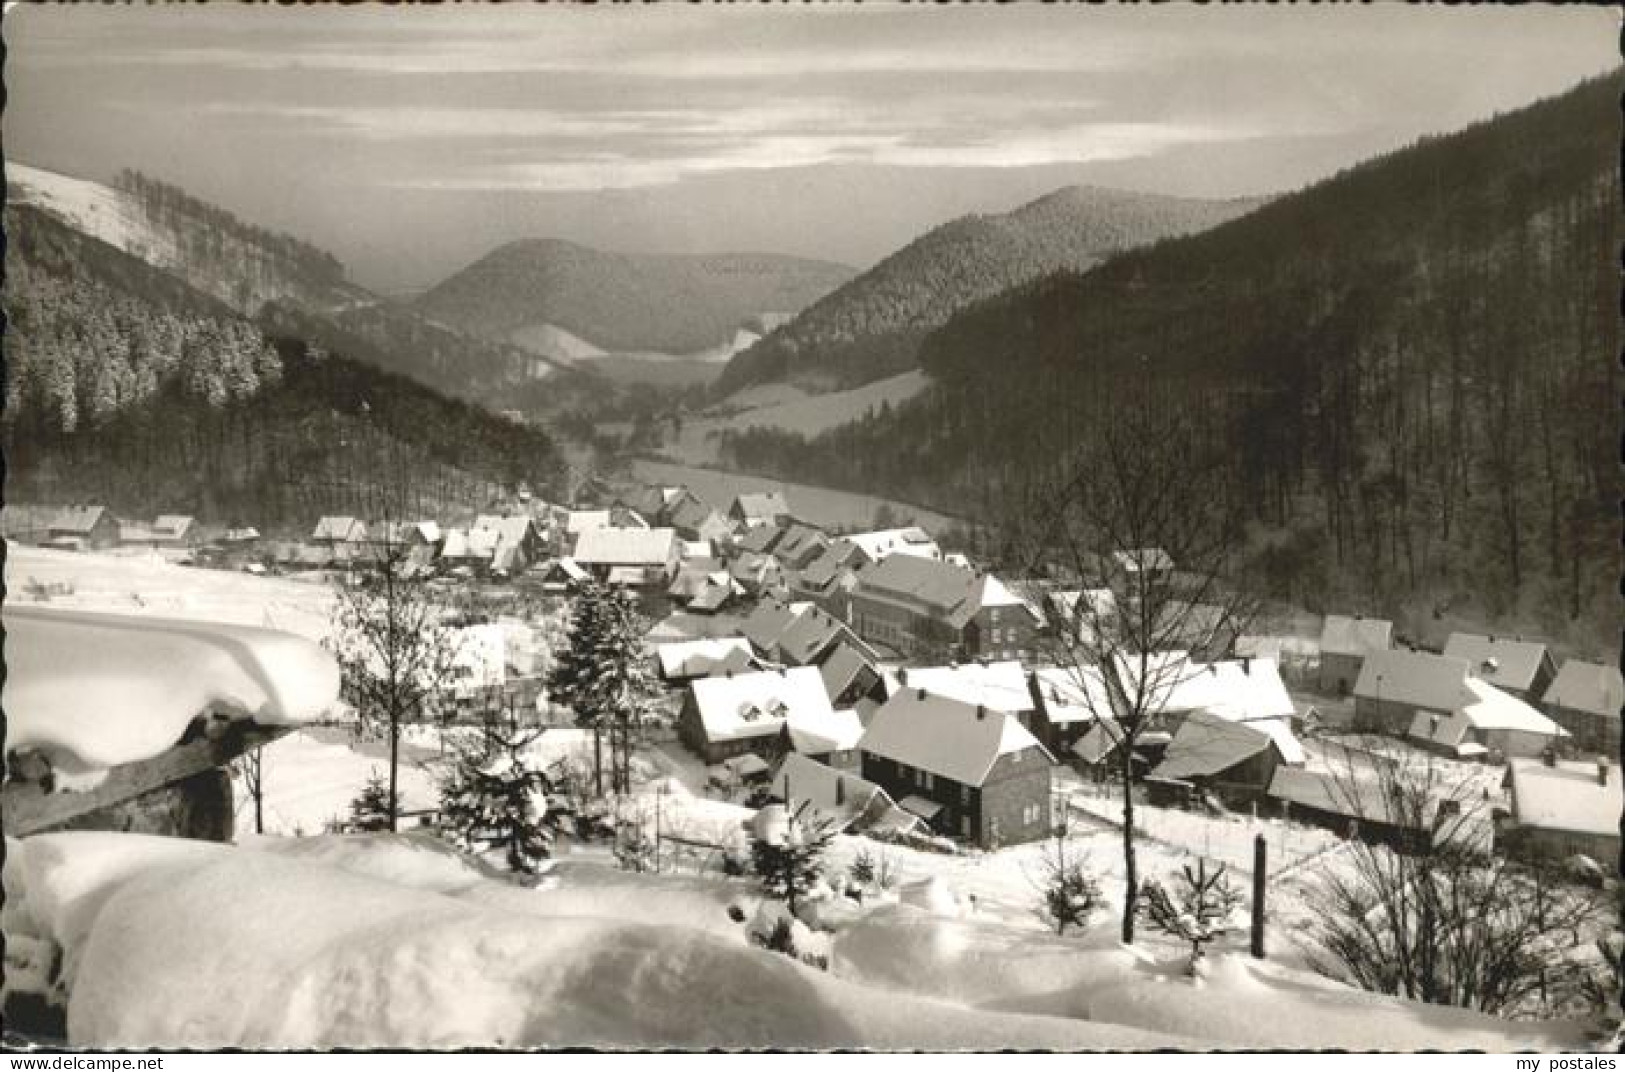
{"x":1410,"y":368}
{"x":621,"y":303}
{"x":127,"y":387}
{"x":872,"y":327}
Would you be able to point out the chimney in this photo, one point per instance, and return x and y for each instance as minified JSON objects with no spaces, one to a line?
{"x":981,"y":713}
{"x":902,"y":676}
{"x":919,"y":694}
{"x":1602,"y":770}
{"x":1548,"y":756}
{"x":840,"y":791}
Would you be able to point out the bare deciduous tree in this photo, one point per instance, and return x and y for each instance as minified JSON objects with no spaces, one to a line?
{"x":1146,"y":546}
{"x":394,"y":642}
{"x":1427,"y":911}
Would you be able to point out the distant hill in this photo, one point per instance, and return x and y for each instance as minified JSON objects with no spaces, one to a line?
{"x":872,"y":327}
{"x":258,"y":273}
{"x":1406,"y":369}
{"x":552,"y":296}
{"x":127,"y":386}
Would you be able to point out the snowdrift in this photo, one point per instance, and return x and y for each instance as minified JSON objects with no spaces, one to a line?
{"x":187,"y":944}
{"x":92,"y":691}
{"x":1240,"y":1003}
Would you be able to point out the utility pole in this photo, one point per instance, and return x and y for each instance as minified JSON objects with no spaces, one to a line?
{"x":1260,"y":865}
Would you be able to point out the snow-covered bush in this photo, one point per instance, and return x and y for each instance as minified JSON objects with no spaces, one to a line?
{"x":1068,"y":892}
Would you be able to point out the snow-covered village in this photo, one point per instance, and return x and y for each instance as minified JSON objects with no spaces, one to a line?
{"x":586,"y":651}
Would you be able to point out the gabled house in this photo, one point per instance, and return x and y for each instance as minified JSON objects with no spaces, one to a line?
{"x":517,"y":542}
{"x":568,"y":525}
{"x":831,"y":737}
{"x":800,"y":545}
{"x":759,"y":508}
{"x":177,"y":530}
{"x":634,"y":558}
{"x":757,"y":573}
{"x":81,"y":528}
{"x":343,"y":535}
{"x":733,"y":714}
{"x":467,"y":550}
{"x":760,"y":539}
{"x":1206,"y":630}
{"x":883,"y":543}
{"x":920,"y":607}
{"x":1344,"y":644}
{"x":1521,"y":667}
{"x":1235,"y":761}
{"x":1585,"y":699}
{"x":827,"y":579}
{"x":1492,"y":723}
{"x":811,"y":636}
{"x":1151,"y":563}
{"x":696,"y":519}
{"x":840,"y":798}
{"x":966,"y":771}
{"x":851,"y":677}
{"x":1394,"y":685}
{"x":563,"y":575}
{"x":766,"y":623}
{"x":1560,"y":810}
{"x":1067,"y":703}
{"x":686,"y":660}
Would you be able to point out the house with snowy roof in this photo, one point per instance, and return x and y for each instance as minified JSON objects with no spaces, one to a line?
{"x":1235,"y":761}
{"x":338,"y":532}
{"x":1394,"y":685}
{"x":1559,"y":810}
{"x":800,"y":545}
{"x":828,"y":578}
{"x":839,"y":798}
{"x":1344,"y":644}
{"x":1522,"y":667}
{"x":830,"y":738}
{"x":999,"y":686}
{"x":756,"y":573}
{"x":732,"y":714}
{"x":1360,"y":807}
{"x":563,"y":575}
{"x":517,"y":541}
{"x":920,"y":607}
{"x":1067,"y":703}
{"x":1493,"y":723}
{"x":134,"y":731}
{"x":1585,"y":699}
{"x":883,"y":543}
{"x":1143,"y":562}
{"x":966,"y":771}
{"x":695,"y":519}
{"x":84,"y":527}
{"x":852,"y":677}
{"x":632,"y":558}
{"x":685,"y":660}
{"x":755,"y":508}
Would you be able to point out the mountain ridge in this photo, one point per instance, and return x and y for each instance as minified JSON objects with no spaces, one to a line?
{"x":872,"y":326}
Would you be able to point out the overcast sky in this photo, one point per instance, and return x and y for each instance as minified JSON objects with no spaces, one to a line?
{"x":410,"y":141}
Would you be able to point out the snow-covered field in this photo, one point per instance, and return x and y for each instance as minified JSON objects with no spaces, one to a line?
{"x":393,"y":941}
{"x":147,"y":584}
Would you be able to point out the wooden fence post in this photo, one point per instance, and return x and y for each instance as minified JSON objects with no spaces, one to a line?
{"x":1260,"y":860}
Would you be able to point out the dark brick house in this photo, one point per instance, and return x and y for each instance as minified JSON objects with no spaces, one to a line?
{"x":968,"y":772}
{"x":920,"y":607}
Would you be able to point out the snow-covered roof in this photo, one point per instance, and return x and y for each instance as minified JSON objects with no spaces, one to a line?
{"x":96,"y":690}
{"x":761,"y":505}
{"x":755,"y":704}
{"x":626,"y":547}
{"x":882,"y":543}
{"x":1000,"y":686}
{"x":817,"y":732}
{"x":1507,"y":663}
{"x":1239,"y":689}
{"x":946,"y":737}
{"x":1567,"y":797}
{"x":696,"y":658}
{"x":1494,"y":709}
{"x":839,"y":797}
{"x":842,"y":667}
{"x":808,"y":635}
{"x":81,"y":519}
{"x":1206,"y":745}
{"x":766,"y":623}
{"x":1590,"y":687}
{"x":1417,"y":678}
{"x":335,"y":527}
{"x":173,"y":525}
{"x":1064,"y":698}
{"x":1343,"y":635}
{"x":579,"y":521}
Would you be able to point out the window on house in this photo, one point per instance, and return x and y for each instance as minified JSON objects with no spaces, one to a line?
{"x":964,"y":825}
{"x":964,"y":795}
{"x":922,"y":779}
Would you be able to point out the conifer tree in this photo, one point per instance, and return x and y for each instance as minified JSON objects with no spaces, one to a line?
{"x":493,"y":799}
{"x":371,"y":810}
{"x":787,"y":851}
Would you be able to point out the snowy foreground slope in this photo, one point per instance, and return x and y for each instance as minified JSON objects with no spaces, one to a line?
{"x":396,"y":941}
